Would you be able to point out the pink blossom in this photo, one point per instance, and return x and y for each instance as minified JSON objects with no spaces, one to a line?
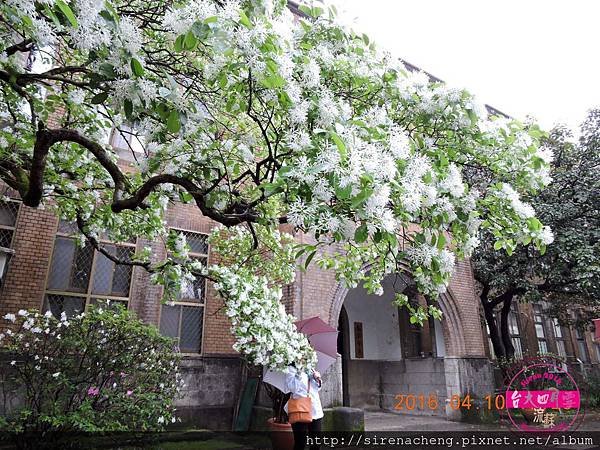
{"x":129,"y":393}
{"x":93,"y":391}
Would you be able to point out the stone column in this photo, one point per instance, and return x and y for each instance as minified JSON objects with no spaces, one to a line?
{"x":331,"y":391}
{"x":467,"y":375}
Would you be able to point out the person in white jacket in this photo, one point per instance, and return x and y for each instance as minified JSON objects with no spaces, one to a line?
{"x":296,"y":382}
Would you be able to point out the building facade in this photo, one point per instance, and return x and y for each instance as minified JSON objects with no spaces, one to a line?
{"x":533,"y":332}
{"x":381,"y":354}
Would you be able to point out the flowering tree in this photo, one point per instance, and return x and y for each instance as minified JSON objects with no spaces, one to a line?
{"x":568,"y":274}
{"x":258,"y":119}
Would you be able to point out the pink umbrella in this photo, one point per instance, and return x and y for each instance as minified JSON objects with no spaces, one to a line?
{"x":323,"y":338}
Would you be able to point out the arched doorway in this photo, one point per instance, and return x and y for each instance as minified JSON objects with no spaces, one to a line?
{"x":443,"y":363}
{"x":383,"y":355}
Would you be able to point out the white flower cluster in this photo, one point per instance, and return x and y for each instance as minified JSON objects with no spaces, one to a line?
{"x":264,"y":332}
{"x":424,"y":255}
{"x":522,"y":209}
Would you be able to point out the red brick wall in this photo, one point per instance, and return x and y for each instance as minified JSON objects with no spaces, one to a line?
{"x":315,"y":290}
{"x":462,"y":288}
{"x":26,"y":277}
{"x":311,"y":295}
{"x":33,"y":242}
{"x":146,"y":297}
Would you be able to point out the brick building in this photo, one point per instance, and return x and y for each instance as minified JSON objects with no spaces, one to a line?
{"x":50,"y":272}
{"x":533,"y":333}
{"x":381,"y":353}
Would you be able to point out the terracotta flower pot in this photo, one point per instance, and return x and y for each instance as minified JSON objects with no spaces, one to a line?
{"x":281,"y":435}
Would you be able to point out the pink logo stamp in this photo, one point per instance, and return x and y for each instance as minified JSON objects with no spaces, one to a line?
{"x":543,"y":397}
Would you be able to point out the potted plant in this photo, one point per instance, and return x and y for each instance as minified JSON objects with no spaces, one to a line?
{"x":280,"y":430}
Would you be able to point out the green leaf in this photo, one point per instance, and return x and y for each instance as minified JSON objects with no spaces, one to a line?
{"x":309,"y":258}
{"x":340,"y":145}
{"x":272,"y":188}
{"x":284,"y":171}
{"x":173,"y":123}
{"x":178,"y":45}
{"x":498,"y":245}
{"x":361,"y":234}
{"x":185,"y":197}
{"x":343,"y":193}
{"x":300,"y":252}
{"x":52,"y":16}
{"x":472,"y":116}
{"x":305,"y":9}
{"x":108,"y":70}
{"x":68,"y":13}
{"x":99,"y":98}
{"x":361,"y":197}
{"x":534,"y":224}
{"x":128,"y":106}
{"x":163,"y":110}
{"x":273,"y":81}
{"x":441,"y":241}
{"x":244,"y":20}
{"x":190,"y":41}
{"x":107,"y":16}
{"x":136,"y":67}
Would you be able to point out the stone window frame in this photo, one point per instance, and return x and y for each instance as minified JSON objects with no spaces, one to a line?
{"x":67,"y":231}
{"x":189,"y":302}
{"x":514,"y":330}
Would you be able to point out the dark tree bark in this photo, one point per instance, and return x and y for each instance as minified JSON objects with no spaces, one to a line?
{"x":509,"y":349}
{"x":488,"y":310}
{"x":500,"y":336}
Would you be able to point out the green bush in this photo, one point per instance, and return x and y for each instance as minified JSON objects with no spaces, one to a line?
{"x":593,"y":390}
{"x":100,"y":371}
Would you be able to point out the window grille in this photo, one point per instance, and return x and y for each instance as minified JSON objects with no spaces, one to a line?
{"x":560,"y":339}
{"x":184,"y":319}
{"x":126,"y":142}
{"x":515,"y":331}
{"x":581,"y":344}
{"x":80,"y":276}
{"x":9,"y":210}
{"x":540,"y":328}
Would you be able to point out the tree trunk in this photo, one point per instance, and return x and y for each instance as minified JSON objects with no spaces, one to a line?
{"x":488,"y":310}
{"x":509,"y":349}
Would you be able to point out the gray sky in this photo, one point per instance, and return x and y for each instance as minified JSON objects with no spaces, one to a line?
{"x":524,"y":57}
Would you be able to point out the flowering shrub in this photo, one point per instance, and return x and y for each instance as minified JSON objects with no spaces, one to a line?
{"x":100,"y":371}
{"x":258,"y":119}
